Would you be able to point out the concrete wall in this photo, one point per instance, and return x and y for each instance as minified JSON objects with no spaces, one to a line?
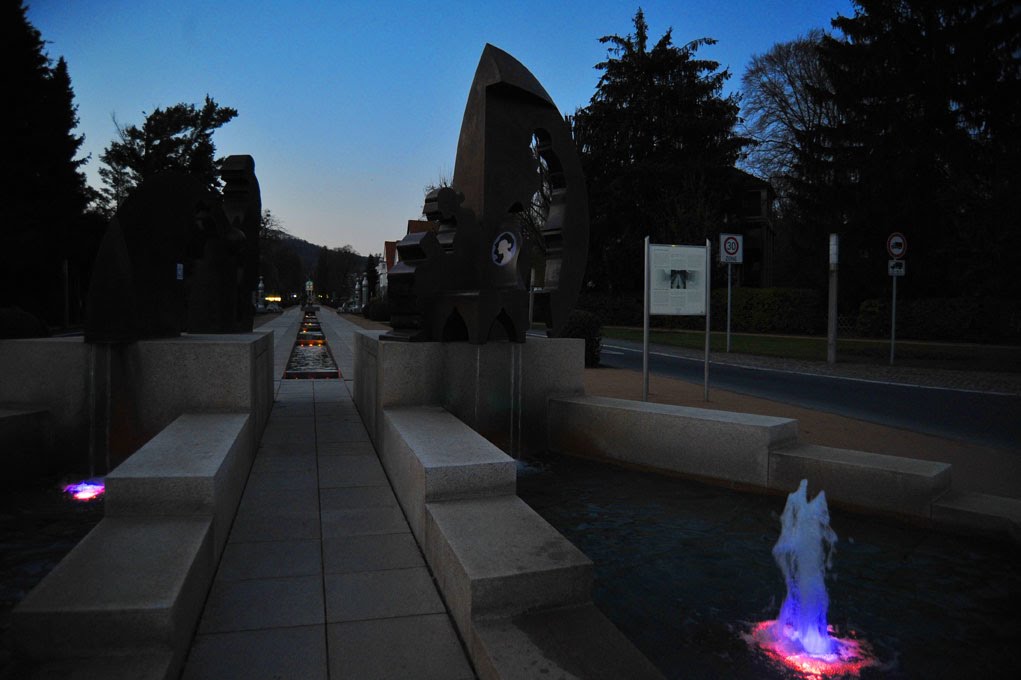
{"x":499,"y":389}
{"x":138,"y":388}
{"x":741,"y":448}
{"x":50,"y":374}
{"x":692,"y":441}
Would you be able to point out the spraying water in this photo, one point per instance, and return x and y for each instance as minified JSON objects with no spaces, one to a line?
{"x":804,"y":553}
{"x":800,"y":636}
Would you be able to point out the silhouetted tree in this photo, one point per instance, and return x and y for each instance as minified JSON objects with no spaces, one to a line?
{"x":179,"y":137}
{"x":927,"y":142}
{"x":787,"y":109}
{"x":44,"y":191}
{"x":333,"y":272}
{"x":657,"y":142}
{"x":372,"y":273}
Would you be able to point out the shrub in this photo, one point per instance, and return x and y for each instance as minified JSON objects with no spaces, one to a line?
{"x":585,"y":325}
{"x":947,"y":319}
{"x":791,"y":311}
{"x":378,"y":309}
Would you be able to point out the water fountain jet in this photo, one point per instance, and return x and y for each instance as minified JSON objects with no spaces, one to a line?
{"x":800,"y":637}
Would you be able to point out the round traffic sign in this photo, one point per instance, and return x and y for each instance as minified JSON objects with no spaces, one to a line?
{"x":731,"y":246}
{"x":896,"y":245}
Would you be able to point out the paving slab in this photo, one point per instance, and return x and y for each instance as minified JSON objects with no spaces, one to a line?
{"x":263,"y":603}
{"x":363,"y":521}
{"x":355,"y":596}
{"x":348,"y":497}
{"x":351,"y":470}
{"x":270,"y":559}
{"x":269,"y":654}
{"x":419,"y":647}
{"x":347,"y":449}
{"x":371,"y":553}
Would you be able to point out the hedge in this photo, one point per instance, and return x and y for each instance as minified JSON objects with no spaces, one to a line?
{"x":947,"y":319}
{"x":791,"y":311}
{"x":377,"y":310}
{"x":585,"y":325}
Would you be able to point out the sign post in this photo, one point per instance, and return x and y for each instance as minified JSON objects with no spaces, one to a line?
{"x":708,"y":273}
{"x":676,"y":284}
{"x":645,"y":326}
{"x":731,"y":252}
{"x":831,"y":319}
{"x":897,"y":247}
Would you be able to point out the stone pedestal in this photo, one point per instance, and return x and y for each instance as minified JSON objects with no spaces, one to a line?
{"x":120,"y":396}
{"x":500,"y":390}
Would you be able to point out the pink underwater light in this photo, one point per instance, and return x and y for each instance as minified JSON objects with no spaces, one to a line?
{"x":800,"y":638}
{"x":89,"y":490}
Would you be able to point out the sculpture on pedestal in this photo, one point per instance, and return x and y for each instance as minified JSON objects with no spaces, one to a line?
{"x":468,"y":276}
{"x":178,"y":257}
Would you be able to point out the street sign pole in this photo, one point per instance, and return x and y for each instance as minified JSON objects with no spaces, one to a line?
{"x":893,"y":319}
{"x":729,"y":267}
{"x":897,"y":246}
{"x":708,"y":271}
{"x":831,"y":323}
{"x":645,"y":326}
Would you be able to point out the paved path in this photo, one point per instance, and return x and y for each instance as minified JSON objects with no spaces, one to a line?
{"x":321,"y":576}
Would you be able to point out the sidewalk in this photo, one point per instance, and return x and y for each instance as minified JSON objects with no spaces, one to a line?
{"x":321,"y":577}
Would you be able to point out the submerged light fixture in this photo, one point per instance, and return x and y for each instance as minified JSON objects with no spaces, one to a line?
{"x":88,"y":490}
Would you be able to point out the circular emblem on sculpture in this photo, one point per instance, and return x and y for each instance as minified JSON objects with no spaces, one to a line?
{"x":505,"y":247}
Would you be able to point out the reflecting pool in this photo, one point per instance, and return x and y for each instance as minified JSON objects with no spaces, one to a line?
{"x":686,"y":571}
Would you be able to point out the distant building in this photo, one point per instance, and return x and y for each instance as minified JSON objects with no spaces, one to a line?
{"x":385,"y":264}
{"x":749,"y":212}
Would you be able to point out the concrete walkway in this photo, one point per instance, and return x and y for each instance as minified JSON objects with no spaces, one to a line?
{"x":321,"y":576}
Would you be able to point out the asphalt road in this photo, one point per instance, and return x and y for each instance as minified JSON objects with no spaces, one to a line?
{"x":976,"y":417}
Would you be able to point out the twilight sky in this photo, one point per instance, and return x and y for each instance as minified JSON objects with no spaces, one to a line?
{"x":351,"y":108}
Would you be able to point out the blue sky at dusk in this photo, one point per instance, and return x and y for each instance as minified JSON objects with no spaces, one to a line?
{"x":351,"y":108}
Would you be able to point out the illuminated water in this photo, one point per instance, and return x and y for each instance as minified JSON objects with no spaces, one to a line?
{"x":686,"y":571}
{"x":39,"y":524}
{"x":800,"y":636}
{"x":310,"y":357}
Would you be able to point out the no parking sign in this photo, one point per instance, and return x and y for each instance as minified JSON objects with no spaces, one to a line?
{"x":732,"y":248}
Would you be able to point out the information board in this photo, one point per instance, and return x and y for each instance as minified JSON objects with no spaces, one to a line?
{"x":677,"y":280}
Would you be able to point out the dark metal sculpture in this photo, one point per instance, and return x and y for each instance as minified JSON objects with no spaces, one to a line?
{"x":242,"y":204}
{"x":178,"y":257}
{"x":468,"y":277}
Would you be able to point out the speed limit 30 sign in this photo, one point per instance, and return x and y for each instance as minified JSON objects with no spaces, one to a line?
{"x":732,"y":248}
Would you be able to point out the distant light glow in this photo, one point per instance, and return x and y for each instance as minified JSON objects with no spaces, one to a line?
{"x":88,"y":490}
{"x":273,"y":298}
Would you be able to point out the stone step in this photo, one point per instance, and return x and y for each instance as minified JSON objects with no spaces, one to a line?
{"x":497,"y":556}
{"x":903,"y":486}
{"x":979,"y":512}
{"x":132,"y":585}
{"x":195,"y":467}
{"x":430,"y":455}
{"x":152,"y":665}
{"x":566,"y":642}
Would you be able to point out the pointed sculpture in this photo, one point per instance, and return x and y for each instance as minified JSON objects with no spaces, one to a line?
{"x":468,"y":276}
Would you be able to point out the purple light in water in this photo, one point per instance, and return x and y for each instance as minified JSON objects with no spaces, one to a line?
{"x":89,"y":490}
{"x":800,"y":637}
